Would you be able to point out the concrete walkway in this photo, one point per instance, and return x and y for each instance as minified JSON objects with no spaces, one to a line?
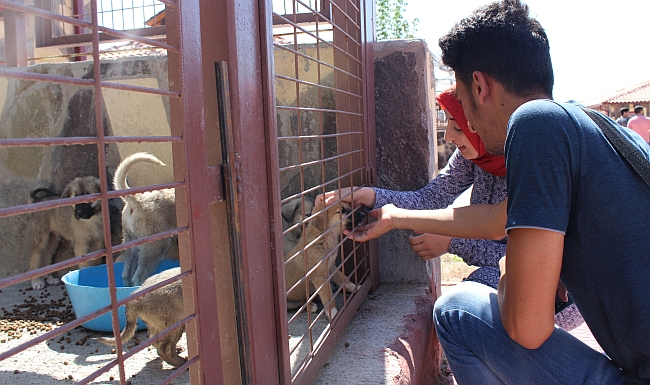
{"x":385,"y":342}
{"x":71,"y":356}
{"x":366,"y":353}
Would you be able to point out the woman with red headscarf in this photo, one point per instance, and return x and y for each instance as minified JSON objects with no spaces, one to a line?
{"x":469,"y":166}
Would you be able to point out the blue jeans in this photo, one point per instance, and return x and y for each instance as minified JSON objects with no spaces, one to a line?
{"x":480,"y":351}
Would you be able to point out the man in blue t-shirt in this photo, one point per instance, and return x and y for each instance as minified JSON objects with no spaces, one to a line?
{"x":577,"y":220}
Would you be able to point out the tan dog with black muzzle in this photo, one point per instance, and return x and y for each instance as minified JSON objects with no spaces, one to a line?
{"x":321,"y":237}
{"x":81,"y":224}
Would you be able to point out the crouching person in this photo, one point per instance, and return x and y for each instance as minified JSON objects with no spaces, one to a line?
{"x":565,"y":232}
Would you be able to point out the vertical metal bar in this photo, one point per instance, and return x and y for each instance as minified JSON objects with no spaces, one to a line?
{"x":240,"y":28}
{"x":187,"y":115}
{"x":77,"y":6}
{"x":231,"y":171}
{"x":273,"y":174}
{"x":15,"y":38}
{"x":368,"y":38}
{"x":101,"y":160}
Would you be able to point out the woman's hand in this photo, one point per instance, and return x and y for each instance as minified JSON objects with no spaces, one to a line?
{"x":429,"y":246}
{"x":356,"y":196}
{"x":385,"y":222}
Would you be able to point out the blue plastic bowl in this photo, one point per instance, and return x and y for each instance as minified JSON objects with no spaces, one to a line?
{"x":88,"y":292}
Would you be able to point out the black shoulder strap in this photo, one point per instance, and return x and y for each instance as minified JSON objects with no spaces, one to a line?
{"x":624,"y":147}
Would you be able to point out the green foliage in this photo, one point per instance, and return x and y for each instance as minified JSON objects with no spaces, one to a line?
{"x":391,"y":23}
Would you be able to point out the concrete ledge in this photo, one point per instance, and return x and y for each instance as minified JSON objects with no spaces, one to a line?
{"x":391,"y":340}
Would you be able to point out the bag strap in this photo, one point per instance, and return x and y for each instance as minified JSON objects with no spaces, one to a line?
{"x":624,"y":147}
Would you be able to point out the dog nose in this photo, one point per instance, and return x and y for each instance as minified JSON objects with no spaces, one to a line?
{"x":83,"y":211}
{"x":359,"y":216}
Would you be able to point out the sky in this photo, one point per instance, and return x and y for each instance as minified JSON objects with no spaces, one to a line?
{"x":597,"y":47}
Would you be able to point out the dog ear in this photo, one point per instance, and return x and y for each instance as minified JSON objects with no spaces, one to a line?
{"x":289,"y":209}
{"x":67,"y":191}
{"x":319,"y":204}
{"x":308,"y":206}
{"x":320,"y":221}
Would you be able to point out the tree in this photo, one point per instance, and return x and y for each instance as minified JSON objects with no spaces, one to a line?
{"x":391,"y":23}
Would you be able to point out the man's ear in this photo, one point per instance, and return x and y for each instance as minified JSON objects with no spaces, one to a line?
{"x":480,"y":87}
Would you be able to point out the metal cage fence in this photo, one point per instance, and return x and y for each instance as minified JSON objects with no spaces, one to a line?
{"x":319,"y":79}
{"x":90,"y":129}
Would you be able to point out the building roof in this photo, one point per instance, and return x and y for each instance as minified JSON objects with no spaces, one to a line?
{"x":157,"y":19}
{"x":639,"y":93}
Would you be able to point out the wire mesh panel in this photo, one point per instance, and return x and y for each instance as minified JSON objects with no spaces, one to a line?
{"x":322,"y":131}
{"x":95,"y":192}
{"x":138,"y":17}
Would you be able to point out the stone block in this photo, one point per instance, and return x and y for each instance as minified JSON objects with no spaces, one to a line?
{"x":39,"y":109}
{"x":406,"y":145}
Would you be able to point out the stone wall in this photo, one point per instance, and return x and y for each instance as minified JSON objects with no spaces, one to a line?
{"x":406,"y":145}
{"x":293,"y":123}
{"x":45,"y":109}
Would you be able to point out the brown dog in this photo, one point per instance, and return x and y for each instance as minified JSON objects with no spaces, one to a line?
{"x":159,"y":310}
{"x":318,"y":260}
{"x":81,"y":224}
{"x":145,"y":214}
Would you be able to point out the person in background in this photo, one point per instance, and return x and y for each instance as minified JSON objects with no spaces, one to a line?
{"x":625,"y":116}
{"x":640,"y":124}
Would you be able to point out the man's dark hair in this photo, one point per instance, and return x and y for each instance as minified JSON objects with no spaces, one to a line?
{"x":638,"y":109}
{"x":624,"y":110}
{"x":501,"y":40}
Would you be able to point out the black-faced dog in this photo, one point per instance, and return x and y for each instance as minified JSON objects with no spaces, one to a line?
{"x":81,"y":224}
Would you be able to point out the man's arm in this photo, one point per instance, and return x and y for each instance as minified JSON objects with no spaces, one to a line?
{"x":527,"y":291}
{"x":482,"y":221}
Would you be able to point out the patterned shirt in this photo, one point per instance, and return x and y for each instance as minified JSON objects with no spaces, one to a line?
{"x":459,"y":175}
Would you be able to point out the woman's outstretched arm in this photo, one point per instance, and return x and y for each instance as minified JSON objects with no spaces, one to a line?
{"x":478,"y":221}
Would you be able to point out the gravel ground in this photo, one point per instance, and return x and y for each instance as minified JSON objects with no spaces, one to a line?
{"x":70,"y":357}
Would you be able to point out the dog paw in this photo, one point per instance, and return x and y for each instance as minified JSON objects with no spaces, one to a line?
{"x":333,"y":313}
{"x":313,"y":308}
{"x":52,"y":281}
{"x":350,"y":287}
{"x":38,"y":284}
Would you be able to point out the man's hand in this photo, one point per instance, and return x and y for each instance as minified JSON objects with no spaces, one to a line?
{"x":356,"y":196}
{"x":384,"y":223}
{"x":429,"y":246}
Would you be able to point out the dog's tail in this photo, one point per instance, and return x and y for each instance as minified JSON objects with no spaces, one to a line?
{"x":127,"y":333}
{"x":119,"y":181}
{"x":41,"y":193}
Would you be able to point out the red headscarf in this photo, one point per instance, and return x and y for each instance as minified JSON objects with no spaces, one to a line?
{"x":495,"y":165}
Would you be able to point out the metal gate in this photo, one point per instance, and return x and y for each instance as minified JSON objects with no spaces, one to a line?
{"x":322,"y":64}
{"x":71,"y":128}
{"x":221,"y":103}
